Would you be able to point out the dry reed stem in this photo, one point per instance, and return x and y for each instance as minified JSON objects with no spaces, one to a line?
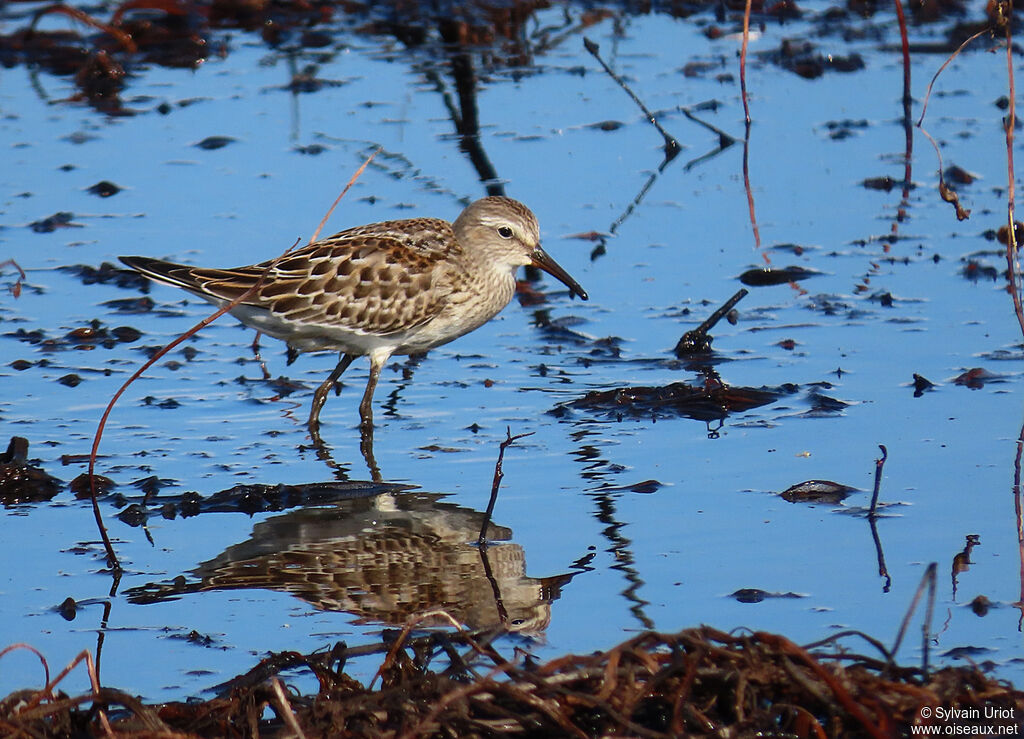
{"x":1012,"y":261}
{"x":284,"y":708}
{"x":122,"y":38}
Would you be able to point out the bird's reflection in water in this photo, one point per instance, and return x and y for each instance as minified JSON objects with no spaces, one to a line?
{"x":384,"y":560}
{"x":341,"y":471}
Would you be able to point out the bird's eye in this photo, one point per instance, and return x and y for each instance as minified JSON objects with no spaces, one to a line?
{"x":505,"y":232}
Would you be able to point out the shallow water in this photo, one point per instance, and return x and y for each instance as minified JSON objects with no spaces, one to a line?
{"x":654,"y":522}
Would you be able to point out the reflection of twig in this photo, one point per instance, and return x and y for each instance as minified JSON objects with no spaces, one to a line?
{"x":499,"y":602}
{"x":746,"y":187}
{"x":883,"y":571}
{"x":725,"y":140}
{"x":601,"y":247}
{"x":623,"y":555}
{"x":498,"y":474}
{"x":466,"y":119}
{"x":390,"y":405}
{"x":672,"y":147}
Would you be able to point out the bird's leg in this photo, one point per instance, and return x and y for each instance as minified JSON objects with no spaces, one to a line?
{"x":320,"y":396}
{"x":366,"y":417}
{"x":259,"y":358}
{"x":366,"y":405}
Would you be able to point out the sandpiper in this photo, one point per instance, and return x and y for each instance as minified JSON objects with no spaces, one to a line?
{"x":395,"y":287}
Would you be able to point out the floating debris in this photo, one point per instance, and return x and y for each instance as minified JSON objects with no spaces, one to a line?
{"x":20,"y":481}
{"x":705,"y":403}
{"x":104,"y":189}
{"x":976,"y":378}
{"x":921,"y":385}
{"x":817,"y":491}
{"x":776,"y":276}
{"x":108,"y":273}
{"x":211,"y":143}
{"x":62,"y":219}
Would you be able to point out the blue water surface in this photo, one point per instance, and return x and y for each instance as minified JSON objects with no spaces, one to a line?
{"x":654,"y":522}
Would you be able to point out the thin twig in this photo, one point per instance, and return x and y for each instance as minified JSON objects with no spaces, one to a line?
{"x":284,"y":708}
{"x":36,"y":652}
{"x":477,"y":686}
{"x":498,"y":474}
{"x":954,"y":55}
{"x":1013,"y":266}
{"x":905,"y":44}
{"x":945,"y":191}
{"x":1018,"y":510}
{"x":696,"y":340}
{"x":908,"y":128}
{"x":927,"y":579}
{"x":47,"y":691}
{"x":743,"y":66}
{"x":879,"y":464}
{"x":851,"y":632}
{"x":16,"y":287}
{"x":839,"y":691}
{"x":80,"y":15}
{"x":407,"y":629}
{"x":672,"y":147}
{"x":926,"y":627}
{"x":337,"y":200}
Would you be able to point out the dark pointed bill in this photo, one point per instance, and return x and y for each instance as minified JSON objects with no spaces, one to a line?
{"x":541,"y":259}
